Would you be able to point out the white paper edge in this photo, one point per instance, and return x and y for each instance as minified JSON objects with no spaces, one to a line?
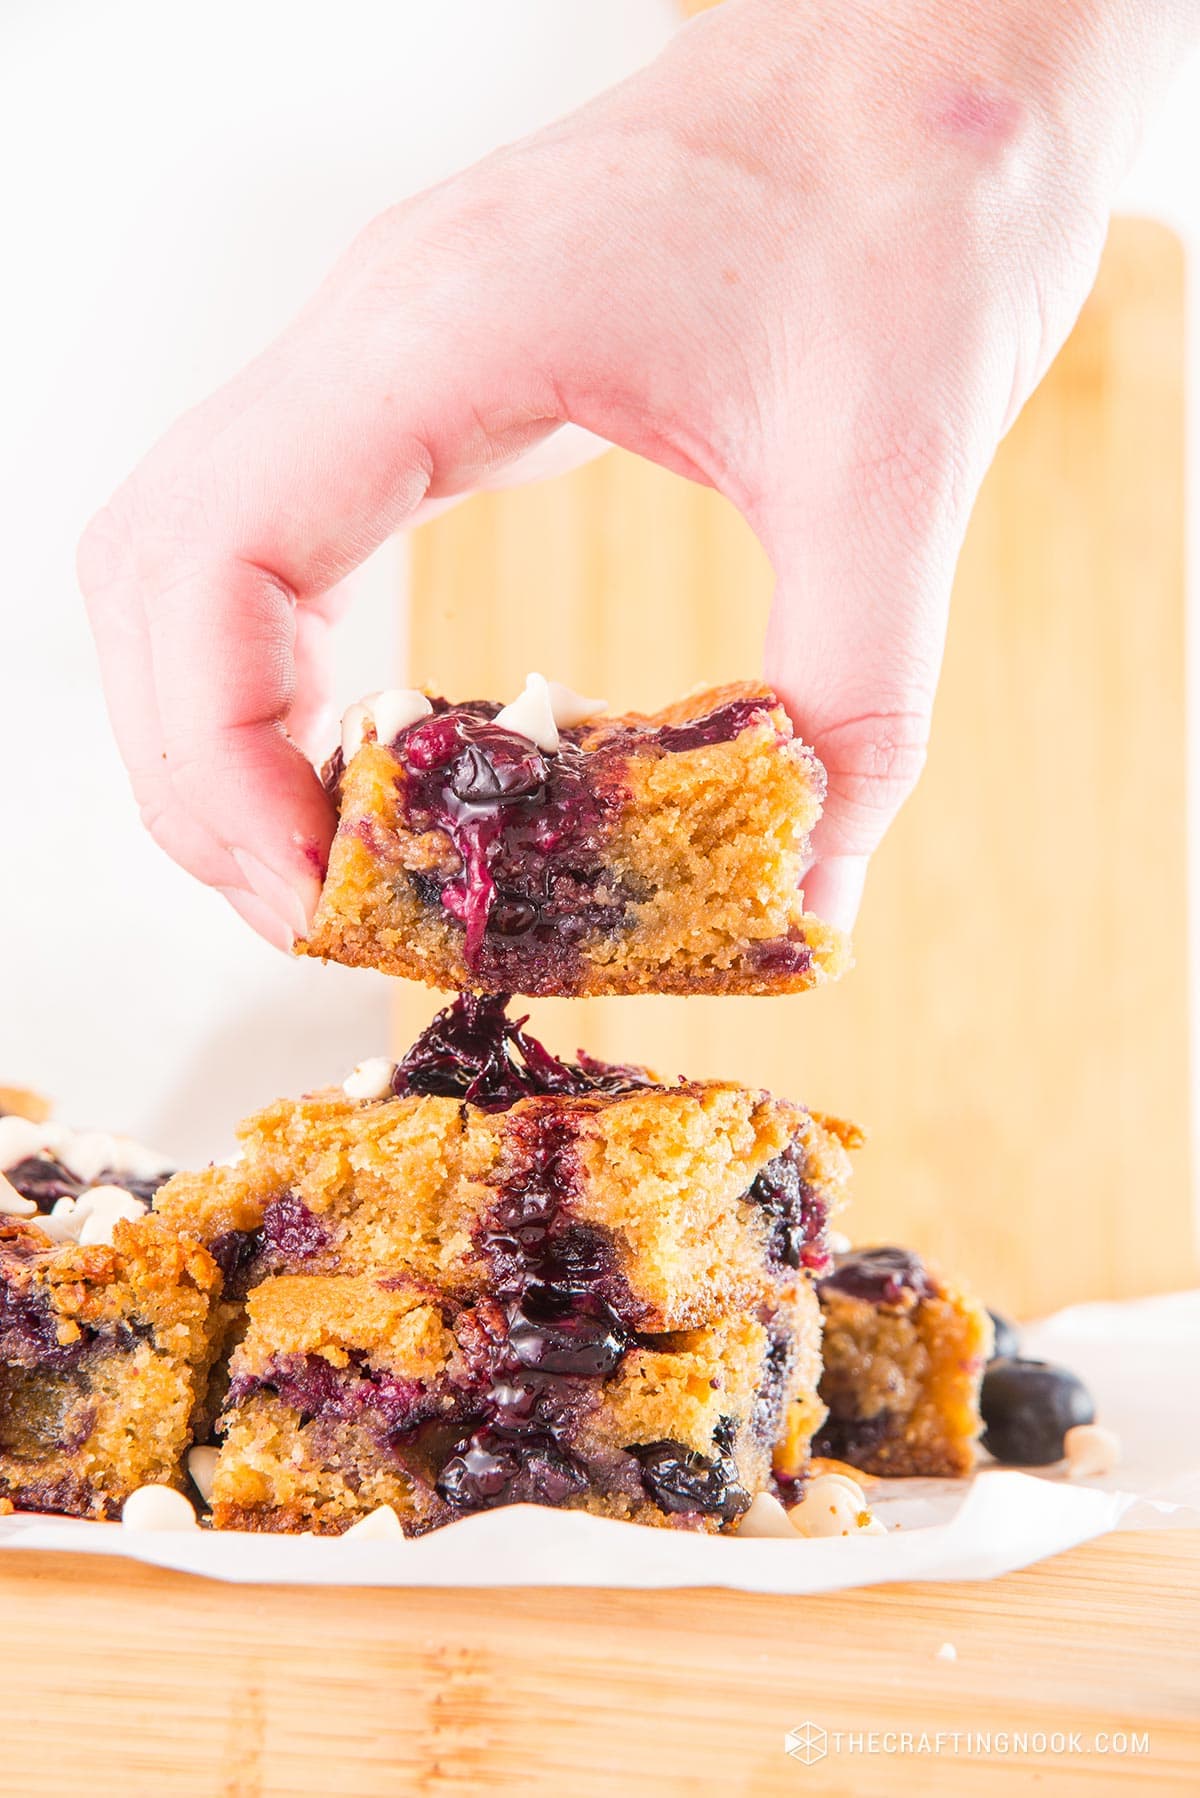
{"x":1006,"y":1520}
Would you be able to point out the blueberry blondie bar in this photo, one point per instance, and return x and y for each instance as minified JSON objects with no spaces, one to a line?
{"x":349,"y":1392}
{"x":501,"y":850}
{"x":904,"y":1352}
{"x":105,"y":1352}
{"x":483,"y":1160}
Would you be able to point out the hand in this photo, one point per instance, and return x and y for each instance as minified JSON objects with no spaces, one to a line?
{"x":816,"y":259}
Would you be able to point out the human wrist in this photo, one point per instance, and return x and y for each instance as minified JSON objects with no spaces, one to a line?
{"x":1031,"y":93}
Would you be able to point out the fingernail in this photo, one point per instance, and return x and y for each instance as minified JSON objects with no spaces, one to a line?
{"x":833,"y":889}
{"x":260,"y":917}
{"x":279,"y":893}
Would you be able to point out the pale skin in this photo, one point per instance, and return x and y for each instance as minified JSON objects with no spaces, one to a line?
{"x":817,"y":257}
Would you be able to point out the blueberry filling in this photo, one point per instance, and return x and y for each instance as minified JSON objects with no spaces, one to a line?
{"x":45,"y":1180}
{"x":719,"y":726}
{"x":289,"y":1232}
{"x":313,"y":1387}
{"x":854,"y":1439}
{"x":560,"y":1332}
{"x":29,"y":1329}
{"x":28,"y":1322}
{"x":528,"y":828}
{"x":883,"y":1276}
{"x":781,"y":955}
{"x":796,"y":1211}
{"x":679,"y":1479}
{"x":541,"y":1348}
{"x":472,"y":1051}
{"x":492,"y":1468}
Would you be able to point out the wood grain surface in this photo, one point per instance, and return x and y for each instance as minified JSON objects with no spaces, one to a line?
{"x":1015,"y":1034}
{"x":124,"y":1682}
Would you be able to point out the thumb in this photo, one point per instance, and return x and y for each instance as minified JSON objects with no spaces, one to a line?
{"x":857,"y":628}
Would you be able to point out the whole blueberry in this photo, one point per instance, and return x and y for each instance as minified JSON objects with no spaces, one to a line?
{"x":1007,"y":1338}
{"x":1028,"y":1407}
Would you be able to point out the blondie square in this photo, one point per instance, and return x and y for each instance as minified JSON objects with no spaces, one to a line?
{"x":659,"y":853}
{"x":105,"y":1352}
{"x":904,"y":1353}
{"x":353,"y":1391}
{"x":486,"y":1163}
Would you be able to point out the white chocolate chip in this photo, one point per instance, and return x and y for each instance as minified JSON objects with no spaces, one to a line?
{"x":766,"y":1517}
{"x":388,"y":712}
{"x":14,"y":1203}
{"x":60,"y":1223}
{"x":355,"y":719}
{"x":90,"y":1153}
{"x":19,"y":1139}
{"x":378,"y":1525}
{"x":834,"y":1506}
{"x":99,"y":1208}
{"x":571,"y":708}
{"x":1091,"y":1450}
{"x":202,"y":1469}
{"x":838,"y":1244}
{"x":86,"y":1153}
{"x":852,"y":1487}
{"x":371,"y":1079}
{"x":531,"y":715}
{"x":397,"y":708}
{"x":153,"y":1508}
{"x":947,"y":1652}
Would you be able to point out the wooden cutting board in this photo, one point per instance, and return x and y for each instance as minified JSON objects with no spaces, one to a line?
{"x":1015,"y":1034}
{"x":123,"y":1682}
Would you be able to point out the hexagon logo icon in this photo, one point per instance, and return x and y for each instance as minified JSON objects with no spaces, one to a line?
{"x":807,"y":1744}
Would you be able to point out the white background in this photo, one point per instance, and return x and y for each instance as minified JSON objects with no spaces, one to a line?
{"x":176,"y":180}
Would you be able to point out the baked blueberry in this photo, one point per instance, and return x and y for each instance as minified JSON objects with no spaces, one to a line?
{"x":1006,"y":1338}
{"x":1028,"y":1407}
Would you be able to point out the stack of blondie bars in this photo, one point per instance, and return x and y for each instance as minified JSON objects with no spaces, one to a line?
{"x":483,"y":1275}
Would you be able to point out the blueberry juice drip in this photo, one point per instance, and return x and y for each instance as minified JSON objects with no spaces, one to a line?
{"x":528,"y":827}
{"x":795,"y":1210}
{"x":540,"y":1348}
{"x":473,"y":1051}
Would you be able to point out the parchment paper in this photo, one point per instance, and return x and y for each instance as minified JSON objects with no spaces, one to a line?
{"x":1141,"y":1360}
